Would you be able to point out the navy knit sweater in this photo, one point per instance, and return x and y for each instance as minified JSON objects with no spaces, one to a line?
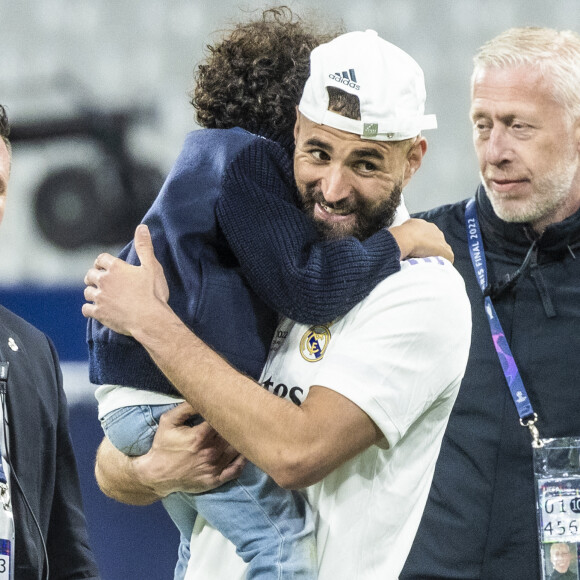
{"x":236,"y":251}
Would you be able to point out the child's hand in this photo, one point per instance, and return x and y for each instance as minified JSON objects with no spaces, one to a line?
{"x":418,"y":238}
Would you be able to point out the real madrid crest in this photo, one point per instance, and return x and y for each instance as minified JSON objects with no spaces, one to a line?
{"x":314,"y":342}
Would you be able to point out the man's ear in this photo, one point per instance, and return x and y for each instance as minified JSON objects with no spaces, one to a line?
{"x":296,"y":125}
{"x":414,"y":158}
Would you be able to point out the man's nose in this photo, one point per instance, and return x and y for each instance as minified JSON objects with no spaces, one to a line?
{"x":498,"y":147}
{"x":335,"y":185}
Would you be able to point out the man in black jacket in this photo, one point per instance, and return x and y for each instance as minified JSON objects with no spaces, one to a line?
{"x":50,"y":529}
{"x":480,"y":519}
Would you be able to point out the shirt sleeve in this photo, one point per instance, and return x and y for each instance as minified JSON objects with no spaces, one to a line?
{"x":294,"y":272}
{"x":404,"y":348}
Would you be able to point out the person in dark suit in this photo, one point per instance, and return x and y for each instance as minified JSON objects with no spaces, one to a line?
{"x":51,"y":539}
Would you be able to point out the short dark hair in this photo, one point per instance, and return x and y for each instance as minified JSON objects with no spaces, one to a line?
{"x":348,"y":105}
{"x":254,"y":77}
{"x":343,"y":103}
{"x":4,"y":126}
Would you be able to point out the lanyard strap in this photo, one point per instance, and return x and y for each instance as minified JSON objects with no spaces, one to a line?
{"x":3,"y":424}
{"x":4,"y":486}
{"x":506,"y":359}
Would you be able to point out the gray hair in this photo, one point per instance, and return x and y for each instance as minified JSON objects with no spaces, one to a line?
{"x":556,"y":54}
{"x":4,"y":127}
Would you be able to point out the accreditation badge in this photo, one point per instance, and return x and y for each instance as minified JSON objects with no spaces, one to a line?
{"x":557,"y":478}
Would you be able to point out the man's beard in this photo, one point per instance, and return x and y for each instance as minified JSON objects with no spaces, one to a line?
{"x":551,"y":192}
{"x":369,"y":220}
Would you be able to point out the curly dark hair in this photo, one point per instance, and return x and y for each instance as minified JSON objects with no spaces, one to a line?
{"x":4,"y":126}
{"x":254,"y":77}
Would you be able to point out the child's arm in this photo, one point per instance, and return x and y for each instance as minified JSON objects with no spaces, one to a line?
{"x":296,"y":273}
{"x":418,"y":238}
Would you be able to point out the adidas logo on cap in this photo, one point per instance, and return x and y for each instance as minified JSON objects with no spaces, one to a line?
{"x":346,"y":78}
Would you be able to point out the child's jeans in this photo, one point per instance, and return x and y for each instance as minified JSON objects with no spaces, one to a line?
{"x":272,"y":528}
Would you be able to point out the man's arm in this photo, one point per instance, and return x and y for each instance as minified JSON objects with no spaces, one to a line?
{"x":119,"y":479}
{"x":182,"y":458}
{"x":67,"y":541}
{"x":296,"y":445}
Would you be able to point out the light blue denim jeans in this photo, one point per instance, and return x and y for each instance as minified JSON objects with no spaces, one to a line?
{"x":272,"y":528}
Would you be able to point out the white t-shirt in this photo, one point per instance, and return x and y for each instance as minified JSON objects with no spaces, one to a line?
{"x":400,"y":356}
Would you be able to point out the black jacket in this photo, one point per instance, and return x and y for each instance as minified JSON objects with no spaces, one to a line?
{"x":480,"y":520}
{"x":568,"y":575}
{"x":42,"y":458}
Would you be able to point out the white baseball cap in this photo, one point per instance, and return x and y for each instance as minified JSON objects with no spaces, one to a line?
{"x":389,"y":84}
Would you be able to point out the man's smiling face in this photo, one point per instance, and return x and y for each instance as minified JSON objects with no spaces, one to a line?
{"x":350,"y":186}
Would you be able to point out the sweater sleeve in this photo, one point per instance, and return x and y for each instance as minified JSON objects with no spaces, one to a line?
{"x":296,"y":273}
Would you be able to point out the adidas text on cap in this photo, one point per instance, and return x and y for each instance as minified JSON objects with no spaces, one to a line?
{"x":389,"y":84}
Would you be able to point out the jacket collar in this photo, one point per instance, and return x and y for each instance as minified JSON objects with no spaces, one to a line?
{"x":516,"y":238}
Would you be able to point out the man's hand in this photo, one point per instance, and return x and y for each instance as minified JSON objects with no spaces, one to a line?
{"x":190,"y":459}
{"x":118,"y":294}
{"x":418,"y":238}
{"x":182,"y":458}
